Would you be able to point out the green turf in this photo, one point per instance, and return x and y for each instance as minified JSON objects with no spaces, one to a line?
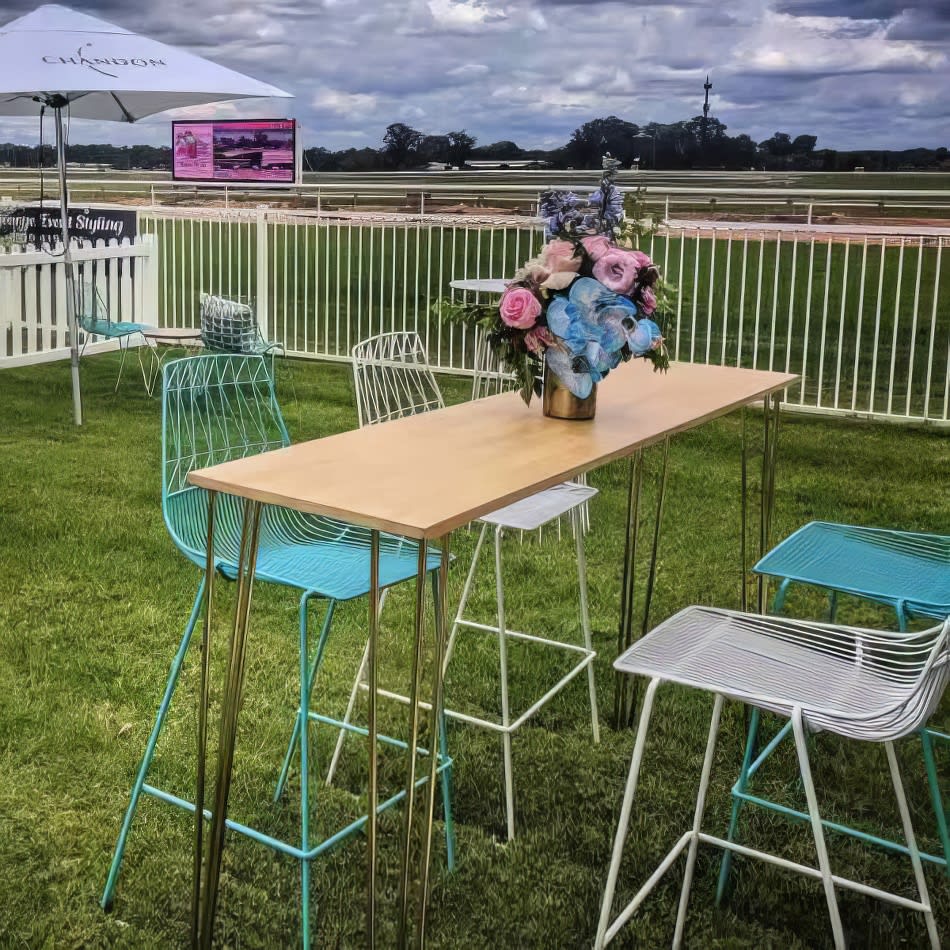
{"x":94,"y":597}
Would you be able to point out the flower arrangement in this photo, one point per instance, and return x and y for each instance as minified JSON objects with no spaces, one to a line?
{"x":584,"y":304}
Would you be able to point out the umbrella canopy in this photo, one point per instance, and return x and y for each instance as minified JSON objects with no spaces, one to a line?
{"x":106,"y":72}
{"x":57,"y":58}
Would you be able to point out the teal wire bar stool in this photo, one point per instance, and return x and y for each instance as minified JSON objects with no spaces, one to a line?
{"x":215,"y":409}
{"x":907,"y":571}
{"x":96,"y":318}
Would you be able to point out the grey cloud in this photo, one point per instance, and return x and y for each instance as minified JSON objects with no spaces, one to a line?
{"x":852,"y":9}
{"x":357,"y":65}
{"x":927,"y":24}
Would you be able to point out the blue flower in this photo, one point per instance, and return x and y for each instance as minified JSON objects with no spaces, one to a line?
{"x":566,"y":321}
{"x":643,"y":338}
{"x":562,"y":364}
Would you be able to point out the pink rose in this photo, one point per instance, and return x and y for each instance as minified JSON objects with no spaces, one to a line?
{"x":559,"y":256}
{"x":643,"y":260}
{"x":596,"y":246}
{"x":617,"y":270}
{"x":538,"y":340}
{"x":519,"y":308}
{"x":647,"y":301}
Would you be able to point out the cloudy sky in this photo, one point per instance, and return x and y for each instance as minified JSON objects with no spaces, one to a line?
{"x":858,"y":73}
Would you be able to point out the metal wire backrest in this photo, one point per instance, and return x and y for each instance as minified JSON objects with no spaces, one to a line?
{"x":393,"y":378}
{"x":491,"y":375}
{"x":214,"y":409}
{"x":228,"y":326}
{"x":913,"y":668}
{"x":91,"y":306}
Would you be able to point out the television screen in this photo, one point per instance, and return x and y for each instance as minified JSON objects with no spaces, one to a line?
{"x":235,"y":150}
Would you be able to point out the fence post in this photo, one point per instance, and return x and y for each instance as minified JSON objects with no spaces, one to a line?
{"x":8,"y":304}
{"x":263,"y":279}
{"x":149,"y":271}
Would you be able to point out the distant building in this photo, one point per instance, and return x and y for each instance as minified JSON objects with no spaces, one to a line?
{"x":513,"y":163}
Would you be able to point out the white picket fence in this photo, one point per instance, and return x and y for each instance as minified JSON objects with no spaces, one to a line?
{"x":33,"y":323}
{"x":863,"y":318}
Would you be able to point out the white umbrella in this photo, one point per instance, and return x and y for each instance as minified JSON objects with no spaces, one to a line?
{"x":86,"y":68}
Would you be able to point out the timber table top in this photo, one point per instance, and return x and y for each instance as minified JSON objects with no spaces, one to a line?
{"x":426,"y":474}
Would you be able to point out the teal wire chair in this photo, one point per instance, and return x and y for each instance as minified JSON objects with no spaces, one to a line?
{"x":907,"y":571}
{"x":215,"y":409}
{"x":95,"y":318}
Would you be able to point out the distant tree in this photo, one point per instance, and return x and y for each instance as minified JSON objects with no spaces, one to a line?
{"x":593,"y":139}
{"x":359,"y":160}
{"x":434,"y":148}
{"x":460,"y":147}
{"x":804,"y":144}
{"x":498,"y":150}
{"x":742,"y":151}
{"x":320,"y":160}
{"x":778,"y":146}
{"x":401,"y":145}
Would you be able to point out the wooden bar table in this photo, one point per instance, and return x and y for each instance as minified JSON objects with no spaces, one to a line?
{"x":422,"y":477}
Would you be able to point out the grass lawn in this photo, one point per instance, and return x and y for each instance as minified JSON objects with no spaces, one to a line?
{"x":94,"y":597}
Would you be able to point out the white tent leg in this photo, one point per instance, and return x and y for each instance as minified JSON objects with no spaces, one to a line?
{"x":68,"y":264}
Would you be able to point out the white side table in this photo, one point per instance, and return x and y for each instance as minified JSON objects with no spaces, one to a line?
{"x":160,"y":340}
{"x":489,"y":285}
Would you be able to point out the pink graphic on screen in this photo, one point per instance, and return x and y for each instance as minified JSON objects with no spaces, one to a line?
{"x":234,"y":151}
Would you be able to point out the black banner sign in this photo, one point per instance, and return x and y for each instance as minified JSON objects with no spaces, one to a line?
{"x":42,"y":227}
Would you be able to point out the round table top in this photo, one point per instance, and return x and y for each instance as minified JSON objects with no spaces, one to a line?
{"x":172,"y":334}
{"x":488,"y":285}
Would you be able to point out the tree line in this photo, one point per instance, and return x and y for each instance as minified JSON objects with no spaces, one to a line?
{"x":688,"y":144}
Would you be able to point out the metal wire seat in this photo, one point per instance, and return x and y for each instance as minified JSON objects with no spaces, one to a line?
{"x":222,"y":407}
{"x":861,"y":684}
{"x":865,"y":685}
{"x":905,"y":570}
{"x":393,"y":379}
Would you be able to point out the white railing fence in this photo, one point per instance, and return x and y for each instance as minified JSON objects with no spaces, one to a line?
{"x":865,"y":320}
{"x":33,"y":323}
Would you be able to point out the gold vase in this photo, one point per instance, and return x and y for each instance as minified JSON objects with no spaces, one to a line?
{"x":559,"y":402}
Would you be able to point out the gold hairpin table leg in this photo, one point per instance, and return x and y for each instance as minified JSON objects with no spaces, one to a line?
{"x":373,"y":786}
{"x":418,"y":659}
{"x":417,"y":834}
{"x":771,"y":411}
{"x":625,"y":687}
{"x":204,"y":694}
{"x":230,"y":707}
{"x":435,"y":725}
{"x":622,"y":687}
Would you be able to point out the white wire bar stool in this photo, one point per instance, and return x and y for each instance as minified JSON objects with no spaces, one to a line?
{"x":866,"y":685}
{"x":393,"y":379}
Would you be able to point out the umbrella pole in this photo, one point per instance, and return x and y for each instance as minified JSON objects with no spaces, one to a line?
{"x":68,"y":263}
